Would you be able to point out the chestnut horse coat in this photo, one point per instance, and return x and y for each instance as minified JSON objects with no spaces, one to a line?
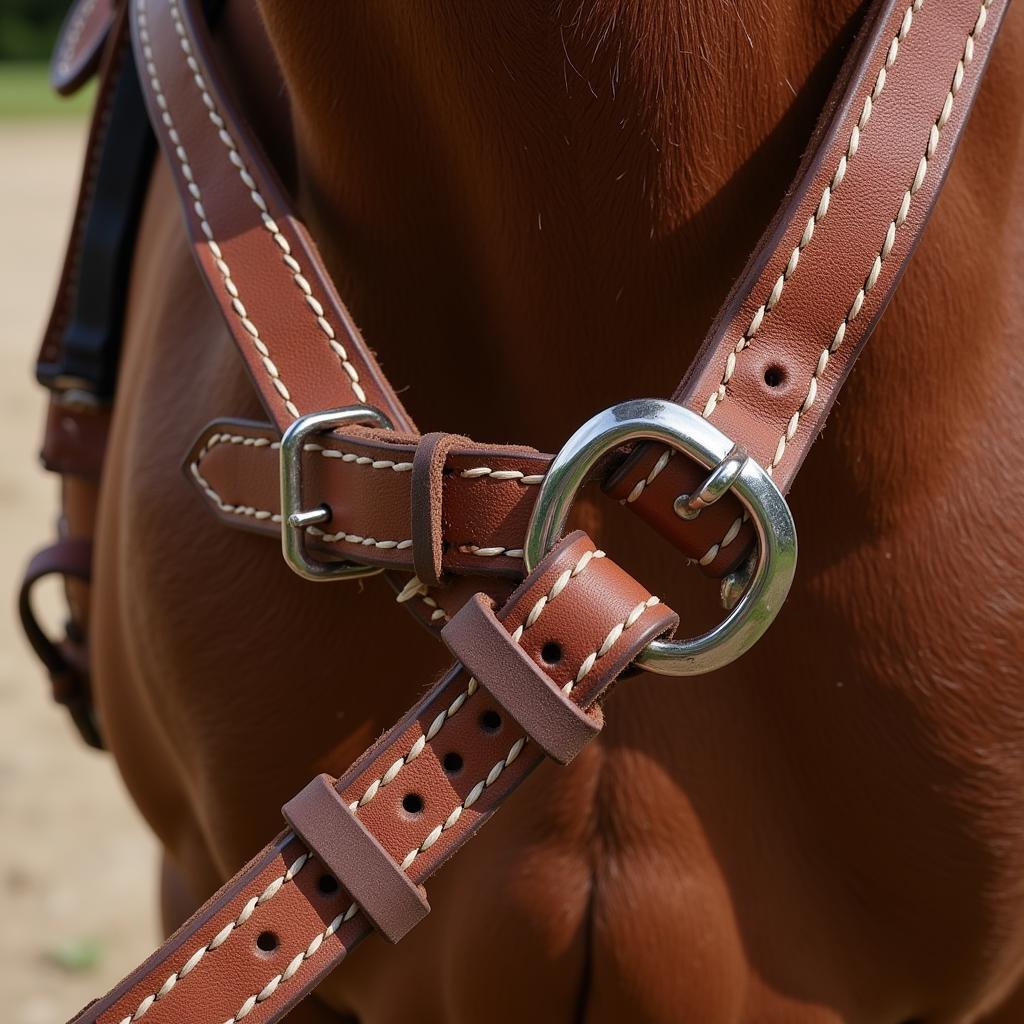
{"x":534,"y":210}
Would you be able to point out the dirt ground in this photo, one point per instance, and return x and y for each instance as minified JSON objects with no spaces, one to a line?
{"x":77,"y":865}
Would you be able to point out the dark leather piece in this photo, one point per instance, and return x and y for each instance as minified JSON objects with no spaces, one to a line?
{"x":314,"y":934}
{"x":518,"y":683}
{"x":426,"y":510}
{"x":66,"y":661}
{"x":83,"y":340}
{"x":79,"y":45}
{"x":343,"y":844}
{"x":75,"y":440}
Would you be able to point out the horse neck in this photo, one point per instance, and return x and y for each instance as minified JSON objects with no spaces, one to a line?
{"x":534,"y":210}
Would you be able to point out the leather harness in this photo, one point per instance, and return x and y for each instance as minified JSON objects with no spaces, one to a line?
{"x":469,"y":534}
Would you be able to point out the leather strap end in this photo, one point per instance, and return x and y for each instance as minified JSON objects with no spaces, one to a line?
{"x":333,"y":832}
{"x":555,"y":723}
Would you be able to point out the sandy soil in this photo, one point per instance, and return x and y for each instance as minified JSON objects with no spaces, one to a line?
{"x":77,"y":865}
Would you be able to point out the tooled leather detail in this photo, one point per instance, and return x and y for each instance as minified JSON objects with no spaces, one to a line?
{"x":316,"y":929}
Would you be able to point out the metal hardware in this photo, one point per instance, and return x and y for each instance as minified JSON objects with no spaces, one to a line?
{"x":679,"y":428}
{"x":294,"y":518}
{"x":718,"y":482}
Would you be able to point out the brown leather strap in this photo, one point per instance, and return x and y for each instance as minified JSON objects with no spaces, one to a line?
{"x":789,"y":333}
{"x":79,"y":46}
{"x":497,"y":662}
{"x":302,"y":348}
{"x":343,"y":844}
{"x":212,"y":969}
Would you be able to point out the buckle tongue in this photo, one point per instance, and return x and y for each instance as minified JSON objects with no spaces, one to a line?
{"x":685,"y":431}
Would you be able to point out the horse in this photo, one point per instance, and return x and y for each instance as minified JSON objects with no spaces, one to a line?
{"x":533,"y":212}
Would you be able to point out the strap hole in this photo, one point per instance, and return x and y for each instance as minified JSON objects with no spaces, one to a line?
{"x":551,"y":653}
{"x":452,"y":762}
{"x":490,"y":721}
{"x":266,"y":941}
{"x":328,"y":885}
{"x":412,"y":803}
{"x":774,"y":376}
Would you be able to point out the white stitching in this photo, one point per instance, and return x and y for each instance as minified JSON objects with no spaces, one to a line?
{"x":453,"y":709}
{"x":260,"y":203}
{"x":355,"y":538}
{"x":820,"y":212}
{"x":527,"y":480}
{"x":492,"y":552}
{"x":220,"y":938}
{"x":895,"y":224}
{"x":197,"y":204}
{"x":417,"y":588}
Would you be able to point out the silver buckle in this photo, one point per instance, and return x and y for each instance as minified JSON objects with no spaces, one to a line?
{"x":294,"y":518}
{"x":685,"y":431}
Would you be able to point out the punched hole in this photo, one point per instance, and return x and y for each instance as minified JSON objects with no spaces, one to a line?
{"x":266,"y":941}
{"x":452,"y":762}
{"x":412,"y":803}
{"x":774,"y":376}
{"x":328,"y":885}
{"x":551,"y":653}
{"x":490,"y":721}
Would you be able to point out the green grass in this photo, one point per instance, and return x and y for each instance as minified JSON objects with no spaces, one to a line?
{"x":25,"y":93}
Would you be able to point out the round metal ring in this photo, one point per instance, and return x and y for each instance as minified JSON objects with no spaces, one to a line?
{"x":679,"y":428}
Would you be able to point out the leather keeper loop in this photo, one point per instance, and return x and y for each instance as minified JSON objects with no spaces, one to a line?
{"x":555,"y":723}
{"x":427,"y":485}
{"x":339,"y":840}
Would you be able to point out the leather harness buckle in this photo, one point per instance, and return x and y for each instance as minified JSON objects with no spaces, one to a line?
{"x":685,"y":431}
{"x":295,"y":519}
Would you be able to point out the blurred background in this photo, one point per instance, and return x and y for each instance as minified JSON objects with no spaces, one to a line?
{"x":78,"y":903}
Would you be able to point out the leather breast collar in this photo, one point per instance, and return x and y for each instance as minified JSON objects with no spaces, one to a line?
{"x":470,"y":534}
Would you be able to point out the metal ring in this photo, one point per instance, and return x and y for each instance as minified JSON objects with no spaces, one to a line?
{"x":717,"y":483}
{"x":679,"y":428}
{"x":294,"y":518}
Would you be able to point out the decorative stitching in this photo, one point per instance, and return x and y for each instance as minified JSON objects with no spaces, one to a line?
{"x":453,"y":709}
{"x":197,"y":204}
{"x":895,"y":224}
{"x":820,"y":213}
{"x":417,"y":588}
{"x":220,"y":938}
{"x":494,"y":552}
{"x":527,"y":480}
{"x":730,"y":535}
{"x":260,"y":203}
{"x":355,"y":538}
{"x":609,"y":642}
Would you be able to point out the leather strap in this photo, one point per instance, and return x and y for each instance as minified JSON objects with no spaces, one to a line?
{"x":792,"y":327}
{"x":346,"y":847}
{"x":66,"y":661}
{"x":79,"y":46}
{"x":213,"y":969}
{"x":493,"y":656}
{"x":298,"y":340}
{"x":788,"y":335}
